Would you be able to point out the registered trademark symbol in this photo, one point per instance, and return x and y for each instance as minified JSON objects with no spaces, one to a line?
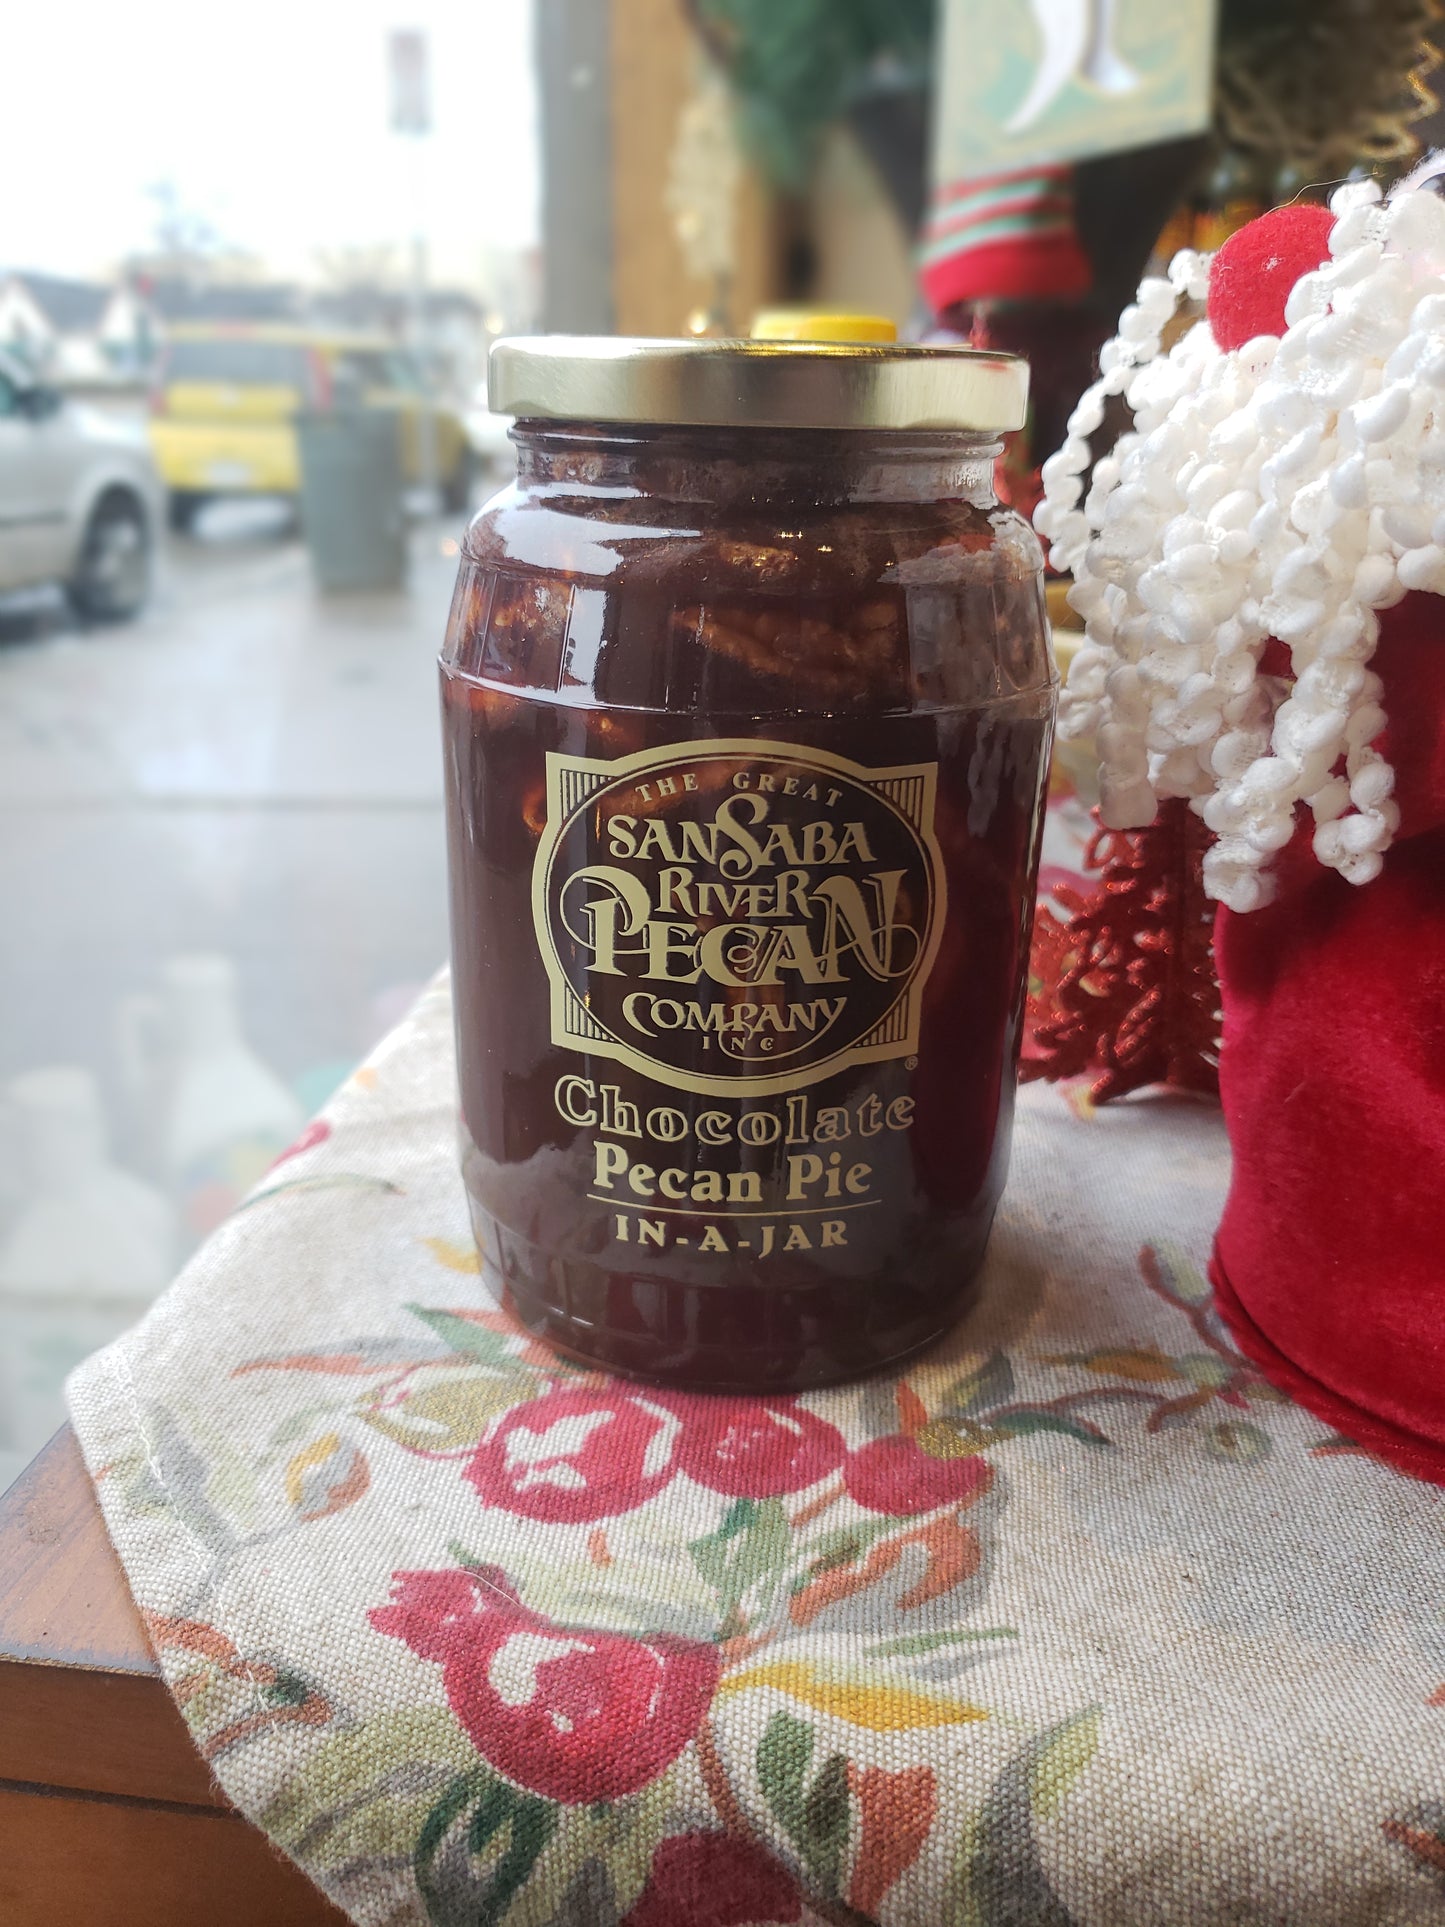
{"x":910,"y":1064}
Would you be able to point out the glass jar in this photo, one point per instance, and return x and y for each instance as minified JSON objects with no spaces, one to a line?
{"x":747,"y":701}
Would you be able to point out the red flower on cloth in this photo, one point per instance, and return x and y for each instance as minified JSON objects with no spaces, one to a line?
{"x":894,"y":1475}
{"x":316,"y":1132}
{"x":715,"y":1880}
{"x":752,"y":1448}
{"x":571,"y":1457}
{"x":574,"y":1714}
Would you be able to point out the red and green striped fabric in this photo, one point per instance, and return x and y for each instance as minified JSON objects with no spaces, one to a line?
{"x":1004,"y":236}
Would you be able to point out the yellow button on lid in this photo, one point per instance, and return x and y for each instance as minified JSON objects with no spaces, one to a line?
{"x":819,"y":324}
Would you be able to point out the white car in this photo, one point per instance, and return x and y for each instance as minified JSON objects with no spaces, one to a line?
{"x":80,"y":500}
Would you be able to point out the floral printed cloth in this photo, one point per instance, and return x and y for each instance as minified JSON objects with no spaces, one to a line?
{"x":1076,"y":1622}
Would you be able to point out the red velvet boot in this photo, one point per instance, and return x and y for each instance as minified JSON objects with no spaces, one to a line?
{"x":1329,"y":1264}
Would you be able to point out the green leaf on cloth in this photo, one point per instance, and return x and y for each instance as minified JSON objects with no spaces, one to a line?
{"x":369,"y":1789}
{"x":1207,"y":1370}
{"x":1028,"y":1419}
{"x":999,"y":1878}
{"x":1238,"y":1444}
{"x":1174,"y":1275}
{"x":784,"y":1754}
{"x":815,"y":1818}
{"x":824,"y":1834}
{"x":1061,"y":1756}
{"x":991,"y":1383}
{"x":469,"y":1874}
{"x":748,"y":1550}
{"x":356,"y":1358}
{"x":842,"y":1546}
{"x":910,"y":1644}
{"x":466,"y":1337}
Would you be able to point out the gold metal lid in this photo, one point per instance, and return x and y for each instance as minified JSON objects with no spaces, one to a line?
{"x":756,"y":384}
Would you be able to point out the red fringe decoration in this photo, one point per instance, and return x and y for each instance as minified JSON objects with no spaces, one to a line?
{"x":1122,"y":981}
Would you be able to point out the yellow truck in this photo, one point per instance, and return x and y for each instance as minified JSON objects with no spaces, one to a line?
{"x":222,"y":412}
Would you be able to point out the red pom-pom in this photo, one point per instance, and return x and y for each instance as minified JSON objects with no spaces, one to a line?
{"x":1253,"y":272}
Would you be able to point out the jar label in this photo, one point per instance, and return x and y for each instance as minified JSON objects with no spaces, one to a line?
{"x":738,"y":916}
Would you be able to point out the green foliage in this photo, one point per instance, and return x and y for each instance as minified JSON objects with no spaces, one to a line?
{"x":796,"y":66}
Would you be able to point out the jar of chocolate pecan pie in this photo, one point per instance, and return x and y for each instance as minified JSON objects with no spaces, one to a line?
{"x":748,"y":699}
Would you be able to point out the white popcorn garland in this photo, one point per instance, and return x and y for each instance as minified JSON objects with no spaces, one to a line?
{"x":1288,"y":489}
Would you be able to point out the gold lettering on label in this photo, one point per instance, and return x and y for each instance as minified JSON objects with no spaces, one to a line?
{"x":802,"y":1171}
{"x":831,"y":1234}
{"x":612,"y":1160}
{"x":738,"y":917}
{"x":727,"y":923}
{"x":571,"y":1094}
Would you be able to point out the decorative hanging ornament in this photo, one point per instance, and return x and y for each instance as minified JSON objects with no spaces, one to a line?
{"x":1260,"y":565}
{"x":1253,"y":274}
{"x":1286,"y":489}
